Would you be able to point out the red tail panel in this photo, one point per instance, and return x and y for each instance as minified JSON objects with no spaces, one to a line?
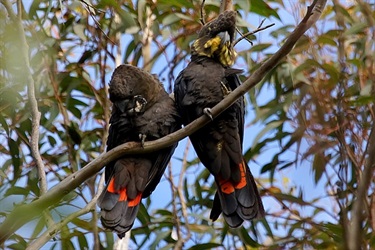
{"x":242,"y":182}
{"x":135,"y":202}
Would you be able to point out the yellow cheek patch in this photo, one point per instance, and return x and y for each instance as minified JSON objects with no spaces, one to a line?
{"x":213,"y":48}
{"x":227,"y":55}
{"x":213,"y":44}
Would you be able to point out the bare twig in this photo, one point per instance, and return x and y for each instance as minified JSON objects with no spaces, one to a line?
{"x":147,"y":37}
{"x":177,"y":221}
{"x":88,"y":7}
{"x":25,"y":213}
{"x":52,"y":231}
{"x":123,"y":244}
{"x":34,"y":140}
{"x":180,"y":188}
{"x":202,"y":13}
{"x":35,"y":114}
{"x":355,"y":230}
{"x":244,"y":36}
{"x":181,"y":240}
{"x":226,"y":5}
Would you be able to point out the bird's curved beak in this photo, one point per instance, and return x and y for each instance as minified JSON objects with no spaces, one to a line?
{"x":224,"y":36}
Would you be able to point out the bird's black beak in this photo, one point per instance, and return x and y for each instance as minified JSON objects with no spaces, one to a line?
{"x":122,"y":105}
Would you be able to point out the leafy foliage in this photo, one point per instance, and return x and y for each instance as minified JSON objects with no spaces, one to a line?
{"x":309,"y":120}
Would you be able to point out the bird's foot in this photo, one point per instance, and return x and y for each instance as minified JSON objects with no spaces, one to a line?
{"x":139,"y":104}
{"x":224,"y":89}
{"x":143,"y":139}
{"x":207,"y":111}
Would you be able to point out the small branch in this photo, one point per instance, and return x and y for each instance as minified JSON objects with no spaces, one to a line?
{"x":177,"y":221}
{"x":8,"y":7}
{"x":244,"y":36}
{"x":226,"y":5}
{"x":24,"y":213}
{"x":147,"y":38}
{"x":355,"y":229}
{"x":181,"y":240}
{"x":34,"y":140}
{"x":88,"y":7}
{"x":202,"y":13}
{"x":52,"y":231}
{"x":180,"y":188}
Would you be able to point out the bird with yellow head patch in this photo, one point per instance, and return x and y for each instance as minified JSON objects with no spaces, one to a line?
{"x":216,"y":38}
{"x":206,"y":81}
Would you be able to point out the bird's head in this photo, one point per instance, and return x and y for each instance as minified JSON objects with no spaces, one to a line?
{"x":133,"y":88}
{"x":215,"y":40}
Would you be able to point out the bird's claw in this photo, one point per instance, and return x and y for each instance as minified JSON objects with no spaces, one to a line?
{"x":207,"y":111}
{"x":142,"y":137}
{"x":138,"y":105}
{"x":224,"y":89}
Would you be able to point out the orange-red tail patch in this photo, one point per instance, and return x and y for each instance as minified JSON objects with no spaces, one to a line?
{"x":111,"y":186}
{"x":123,"y":196}
{"x":226,"y":186}
{"x":135,"y":201}
{"x":242,"y":182}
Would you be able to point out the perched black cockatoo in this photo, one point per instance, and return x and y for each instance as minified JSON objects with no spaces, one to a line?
{"x":142,"y":111}
{"x":206,"y":80}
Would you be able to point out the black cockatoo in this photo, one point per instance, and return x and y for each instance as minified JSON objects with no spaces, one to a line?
{"x":206,"y":80}
{"x":142,"y":111}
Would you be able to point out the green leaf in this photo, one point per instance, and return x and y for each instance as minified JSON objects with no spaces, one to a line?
{"x":319,"y":165}
{"x":184,"y":17}
{"x":262,"y":8}
{"x":332,"y":71}
{"x":4,"y":124}
{"x":86,"y":225}
{"x":176,"y":3}
{"x":170,"y":19}
{"x":356,"y":28}
{"x":260,"y":47}
{"x":326,"y":40}
{"x":245,"y":237}
{"x":205,"y":246}
{"x":291,"y":198}
{"x":38,"y":228}
{"x":309,"y":64}
{"x":159,"y":237}
{"x":79,"y":29}
{"x":82,"y":240}
{"x":269,"y":127}
{"x":129,"y":25}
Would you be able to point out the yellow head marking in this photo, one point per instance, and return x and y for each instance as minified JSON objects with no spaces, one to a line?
{"x":213,"y":43}
{"x":227,"y":55}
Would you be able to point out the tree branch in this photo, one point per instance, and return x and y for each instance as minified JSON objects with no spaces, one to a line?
{"x":24,"y":213}
{"x":146,"y":37}
{"x":34,"y":140}
{"x":35,"y":113}
{"x":355,"y":229}
{"x":202,"y":13}
{"x":52,"y":231}
{"x":244,"y":36}
{"x":226,"y":5}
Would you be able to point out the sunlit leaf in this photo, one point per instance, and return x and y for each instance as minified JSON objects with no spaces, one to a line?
{"x":205,"y":246}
